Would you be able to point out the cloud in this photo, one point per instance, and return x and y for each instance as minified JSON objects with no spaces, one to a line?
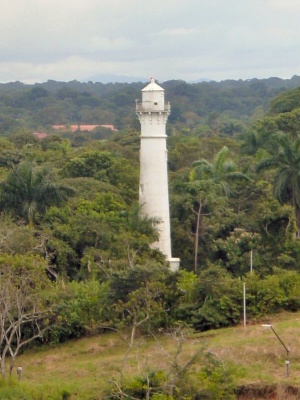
{"x":74,"y":39}
{"x":177,"y":32}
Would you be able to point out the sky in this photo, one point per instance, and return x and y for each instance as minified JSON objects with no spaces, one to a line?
{"x":82,"y":40}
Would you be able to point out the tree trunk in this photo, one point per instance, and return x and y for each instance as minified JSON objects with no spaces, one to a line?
{"x":297,"y":215}
{"x":12,"y":363}
{"x":197,"y":235}
{"x":2,"y":365}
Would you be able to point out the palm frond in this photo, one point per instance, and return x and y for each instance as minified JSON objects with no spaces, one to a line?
{"x":282,"y":186}
{"x":238,"y":176}
{"x":220,"y":159}
{"x":267,"y":164}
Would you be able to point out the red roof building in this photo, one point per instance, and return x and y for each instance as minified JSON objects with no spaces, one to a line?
{"x":40,"y":135}
{"x":80,"y":127}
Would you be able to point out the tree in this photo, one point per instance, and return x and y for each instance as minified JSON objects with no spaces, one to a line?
{"x":143,"y":292}
{"x":93,"y":236}
{"x":208,"y":182}
{"x":285,"y":102}
{"x":23,"y":306}
{"x":16,"y":239}
{"x":29,"y":190}
{"x":23,"y":137}
{"x":91,"y":164}
{"x":285,"y":159}
{"x":222,"y":170}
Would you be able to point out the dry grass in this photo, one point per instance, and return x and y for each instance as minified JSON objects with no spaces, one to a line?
{"x":86,"y":366}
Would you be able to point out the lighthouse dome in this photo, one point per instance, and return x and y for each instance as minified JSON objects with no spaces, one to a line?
{"x":152,"y":87}
{"x":153,"y":97}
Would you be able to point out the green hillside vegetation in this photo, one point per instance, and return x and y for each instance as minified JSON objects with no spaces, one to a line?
{"x":75,"y":253}
{"x":204,"y":108}
{"x":243,"y":363}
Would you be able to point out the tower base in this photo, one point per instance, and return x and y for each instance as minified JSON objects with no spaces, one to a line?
{"x":174,"y":264}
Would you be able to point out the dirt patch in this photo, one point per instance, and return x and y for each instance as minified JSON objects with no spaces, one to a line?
{"x":268,"y":392}
{"x":96,"y":349}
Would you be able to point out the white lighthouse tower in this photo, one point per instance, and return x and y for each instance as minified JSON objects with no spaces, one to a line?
{"x":154,"y":191}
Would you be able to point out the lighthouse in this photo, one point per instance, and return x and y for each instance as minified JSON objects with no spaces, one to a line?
{"x":154,"y":189}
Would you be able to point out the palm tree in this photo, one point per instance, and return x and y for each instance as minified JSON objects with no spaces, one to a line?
{"x":222,"y":171}
{"x":286,"y":161}
{"x":29,"y":190}
{"x":209,"y":181}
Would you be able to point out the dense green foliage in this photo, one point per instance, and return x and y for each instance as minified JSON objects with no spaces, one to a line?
{"x":202,"y":108}
{"x":73,"y":203}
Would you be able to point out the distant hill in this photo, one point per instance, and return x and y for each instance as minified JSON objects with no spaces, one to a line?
{"x":200,"y":80}
{"x":193,"y":105}
{"x":111,"y":78}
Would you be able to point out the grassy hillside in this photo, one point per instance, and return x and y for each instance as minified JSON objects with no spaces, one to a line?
{"x":87,"y":368}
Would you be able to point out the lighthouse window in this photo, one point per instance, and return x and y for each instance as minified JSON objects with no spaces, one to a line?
{"x":155,"y":103}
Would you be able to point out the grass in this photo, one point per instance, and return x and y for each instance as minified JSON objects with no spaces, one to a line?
{"x":85,"y":368}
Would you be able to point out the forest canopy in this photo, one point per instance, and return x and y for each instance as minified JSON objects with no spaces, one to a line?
{"x":223,"y":107}
{"x":70,"y":201}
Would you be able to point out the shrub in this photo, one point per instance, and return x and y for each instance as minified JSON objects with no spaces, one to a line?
{"x":80,"y":310}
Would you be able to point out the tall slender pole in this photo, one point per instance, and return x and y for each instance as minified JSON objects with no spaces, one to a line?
{"x":287,"y":349}
{"x":244,"y":303}
{"x":251,"y":261}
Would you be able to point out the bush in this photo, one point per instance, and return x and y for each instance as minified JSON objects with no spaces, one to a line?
{"x":216,"y":380}
{"x":273,"y":293}
{"x":80,"y":310}
{"x":13,"y":390}
{"x":151,"y":383}
{"x":218,"y":298}
{"x":216,"y":302}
